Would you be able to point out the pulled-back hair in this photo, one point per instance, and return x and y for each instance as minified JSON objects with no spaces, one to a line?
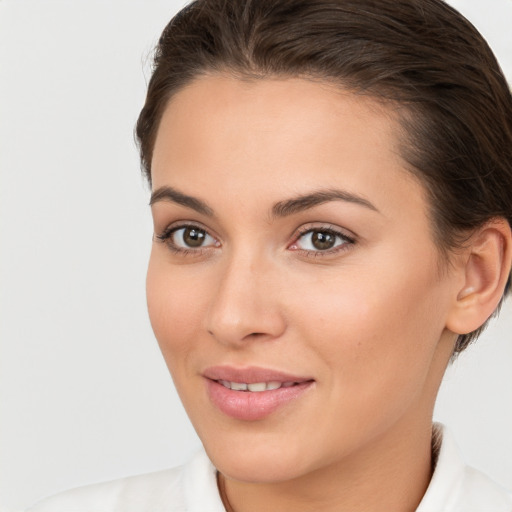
{"x":420,"y":56}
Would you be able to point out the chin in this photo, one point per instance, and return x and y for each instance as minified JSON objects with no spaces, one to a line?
{"x":261,"y":469}
{"x":257,"y":459}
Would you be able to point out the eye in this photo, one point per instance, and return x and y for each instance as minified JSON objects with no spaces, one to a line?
{"x":321,"y":240}
{"x":187,"y":238}
{"x":191,"y":237}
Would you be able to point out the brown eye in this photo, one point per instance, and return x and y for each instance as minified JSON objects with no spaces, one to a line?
{"x":193,"y":237}
{"x":323,"y":240}
{"x":189,"y":237}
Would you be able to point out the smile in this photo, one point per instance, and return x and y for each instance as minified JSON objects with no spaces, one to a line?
{"x":251,"y":394}
{"x":256,"y":387}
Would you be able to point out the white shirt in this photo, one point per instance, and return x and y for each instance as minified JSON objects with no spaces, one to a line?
{"x":455,"y":487}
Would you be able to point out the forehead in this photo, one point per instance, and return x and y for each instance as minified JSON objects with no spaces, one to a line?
{"x":274,"y":135}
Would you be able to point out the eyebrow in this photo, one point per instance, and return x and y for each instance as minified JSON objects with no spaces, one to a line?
{"x":173,"y":195}
{"x":280,"y":209}
{"x":304,"y":202}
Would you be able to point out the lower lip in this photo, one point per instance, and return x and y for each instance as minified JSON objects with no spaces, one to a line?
{"x":253,"y":405}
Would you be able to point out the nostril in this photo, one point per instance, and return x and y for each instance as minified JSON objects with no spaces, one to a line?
{"x":255,"y":335}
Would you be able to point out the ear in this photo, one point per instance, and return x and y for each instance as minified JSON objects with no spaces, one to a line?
{"x":487,"y":261}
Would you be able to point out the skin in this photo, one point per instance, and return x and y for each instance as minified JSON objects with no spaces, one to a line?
{"x":368,"y":321}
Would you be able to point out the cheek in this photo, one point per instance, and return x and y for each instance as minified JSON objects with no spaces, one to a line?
{"x":375,"y":344}
{"x":375,"y":329}
{"x":175,"y":308}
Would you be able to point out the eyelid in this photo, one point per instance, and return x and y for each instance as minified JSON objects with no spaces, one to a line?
{"x":185,"y":223}
{"x":348,"y":239}
{"x":166,"y":237}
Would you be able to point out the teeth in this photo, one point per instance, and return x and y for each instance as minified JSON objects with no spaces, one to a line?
{"x":255,"y":387}
{"x":239,"y":386}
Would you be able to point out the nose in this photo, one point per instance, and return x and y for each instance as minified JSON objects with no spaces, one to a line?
{"x":246,"y":305}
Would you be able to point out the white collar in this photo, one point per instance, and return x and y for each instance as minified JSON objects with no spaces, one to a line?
{"x":457,"y":487}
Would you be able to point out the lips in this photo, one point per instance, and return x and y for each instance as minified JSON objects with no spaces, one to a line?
{"x":253,"y":393}
{"x":251,"y":375}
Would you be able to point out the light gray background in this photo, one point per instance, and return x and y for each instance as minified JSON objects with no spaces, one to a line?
{"x":85,"y":395}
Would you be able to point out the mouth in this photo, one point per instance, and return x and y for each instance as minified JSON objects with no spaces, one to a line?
{"x":252,"y":394}
{"x":252,"y":375}
{"x":256,"y":387}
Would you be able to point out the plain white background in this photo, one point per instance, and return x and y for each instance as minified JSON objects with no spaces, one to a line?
{"x":85,"y":395}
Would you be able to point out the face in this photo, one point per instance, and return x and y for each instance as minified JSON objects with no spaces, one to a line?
{"x":294,"y":284}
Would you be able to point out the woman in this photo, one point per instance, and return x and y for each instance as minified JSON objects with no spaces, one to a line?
{"x":331,"y":202}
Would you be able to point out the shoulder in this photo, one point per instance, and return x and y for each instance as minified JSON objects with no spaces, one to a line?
{"x":171,"y":490}
{"x":125,"y":494}
{"x":457,"y":487}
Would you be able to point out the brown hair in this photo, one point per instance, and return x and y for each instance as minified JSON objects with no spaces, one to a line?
{"x":420,"y":55}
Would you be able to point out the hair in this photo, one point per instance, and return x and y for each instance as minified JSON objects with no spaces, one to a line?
{"x":420,"y":56}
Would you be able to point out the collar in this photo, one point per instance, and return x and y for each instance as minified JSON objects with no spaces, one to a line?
{"x":457,"y":487}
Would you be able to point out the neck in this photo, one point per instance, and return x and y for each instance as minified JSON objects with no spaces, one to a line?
{"x":392,"y":473}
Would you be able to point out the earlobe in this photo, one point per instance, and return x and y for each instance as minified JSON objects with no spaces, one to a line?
{"x":487,"y":265}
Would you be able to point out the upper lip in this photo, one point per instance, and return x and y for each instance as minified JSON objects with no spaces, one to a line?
{"x":251,"y":375}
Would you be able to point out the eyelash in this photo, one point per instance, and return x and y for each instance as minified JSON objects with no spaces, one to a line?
{"x":166,"y":237}
{"x":347,"y":241}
